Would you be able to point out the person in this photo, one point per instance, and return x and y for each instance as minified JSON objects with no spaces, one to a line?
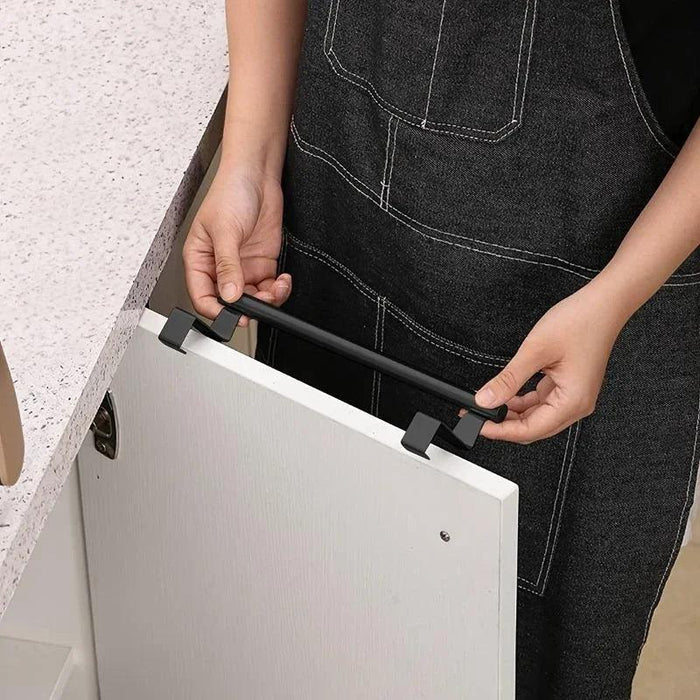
{"x":482,"y":190}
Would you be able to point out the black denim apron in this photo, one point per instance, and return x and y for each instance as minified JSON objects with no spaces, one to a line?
{"x":455,"y":168}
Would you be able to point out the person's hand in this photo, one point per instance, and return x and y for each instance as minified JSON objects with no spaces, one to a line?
{"x":570,"y":345}
{"x":234,"y":242}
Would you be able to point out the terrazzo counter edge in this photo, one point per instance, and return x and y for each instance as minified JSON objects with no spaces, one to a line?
{"x":73,"y":284}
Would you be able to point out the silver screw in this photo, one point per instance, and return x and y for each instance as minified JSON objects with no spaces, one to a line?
{"x":445,"y":536}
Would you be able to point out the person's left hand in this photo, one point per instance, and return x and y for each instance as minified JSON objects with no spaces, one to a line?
{"x":570,"y":345}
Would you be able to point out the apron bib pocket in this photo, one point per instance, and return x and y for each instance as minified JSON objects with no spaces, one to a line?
{"x":408,"y":57}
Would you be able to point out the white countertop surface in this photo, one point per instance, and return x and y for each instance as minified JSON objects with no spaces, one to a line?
{"x":102,"y":127}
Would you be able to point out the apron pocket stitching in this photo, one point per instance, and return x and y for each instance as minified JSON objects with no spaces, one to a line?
{"x":574,"y":443}
{"x":557,"y":510}
{"x":405,"y":318}
{"x":385,"y":205}
{"x":554,"y":510}
{"x":416,"y":328}
{"x":420,"y":331}
{"x":366,"y":191}
{"x":411,"y":120}
{"x":432,"y":72}
{"x":365,"y":84}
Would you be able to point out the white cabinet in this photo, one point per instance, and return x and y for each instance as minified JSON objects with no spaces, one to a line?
{"x":46,"y":642}
{"x":258,"y":539}
{"x":34,"y":670}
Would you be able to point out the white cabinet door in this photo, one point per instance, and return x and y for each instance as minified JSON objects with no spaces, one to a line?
{"x":256,"y":539}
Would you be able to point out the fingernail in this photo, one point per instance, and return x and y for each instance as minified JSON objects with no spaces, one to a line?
{"x":486,"y":398}
{"x":228,"y":291}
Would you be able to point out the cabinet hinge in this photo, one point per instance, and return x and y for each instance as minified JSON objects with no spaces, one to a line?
{"x":105,"y":429}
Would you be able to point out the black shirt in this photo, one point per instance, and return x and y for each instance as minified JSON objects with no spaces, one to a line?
{"x":664,"y":38}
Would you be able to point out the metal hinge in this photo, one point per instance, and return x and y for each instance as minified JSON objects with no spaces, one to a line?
{"x":105,"y":429}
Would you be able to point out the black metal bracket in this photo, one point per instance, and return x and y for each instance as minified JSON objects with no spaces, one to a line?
{"x":423,"y":429}
{"x":180,"y":322}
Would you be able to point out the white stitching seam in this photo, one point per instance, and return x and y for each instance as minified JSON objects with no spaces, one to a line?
{"x":400,"y":216}
{"x":400,"y":315}
{"x":500,"y":361}
{"x":629,"y":81}
{"x":386,"y":161}
{"x":328,"y":49}
{"x":366,"y":85}
{"x":529,"y":57}
{"x":557,"y":511}
{"x":425,"y":333}
{"x":366,"y":191}
{"x":679,"y":532}
{"x":520,"y":54}
{"x":554,"y":511}
{"x":561,"y":505}
{"x":511,"y":126}
{"x":391,"y":167}
{"x":432,"y":73}
{"x":328,"y":45}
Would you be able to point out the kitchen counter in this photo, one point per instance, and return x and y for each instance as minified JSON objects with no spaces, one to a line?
{"x":111,"y":113}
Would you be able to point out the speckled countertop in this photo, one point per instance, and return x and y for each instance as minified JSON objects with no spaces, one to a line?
{"x":110,"y":113}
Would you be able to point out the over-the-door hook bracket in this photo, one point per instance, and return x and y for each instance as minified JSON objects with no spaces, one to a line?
{"x":423,"y":429}
{"x":180,"y":322}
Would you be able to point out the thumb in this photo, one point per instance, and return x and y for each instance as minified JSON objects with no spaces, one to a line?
{"x":229,"y":271}
{"x":506,"y":384}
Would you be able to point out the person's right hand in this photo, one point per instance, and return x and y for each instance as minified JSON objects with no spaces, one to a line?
{"x":234,"y":242}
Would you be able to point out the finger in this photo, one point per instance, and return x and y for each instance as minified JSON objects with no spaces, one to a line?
{"x":505,"y":385}
{"x":522,"y":403}
{"x":257,"y":268}
{"x":198,"y":261}
{"x":509,"y":415}
{"x":229,"y":271}
{"x":280,"y":287}
{"x":545,"y":386}
{"x":265,"y":295}
{"x":244,"y":320}
{"x":539,"y":422}
{"x":272,"y":291}
{"x":202,"y":291}
{"x":516,"y":405}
